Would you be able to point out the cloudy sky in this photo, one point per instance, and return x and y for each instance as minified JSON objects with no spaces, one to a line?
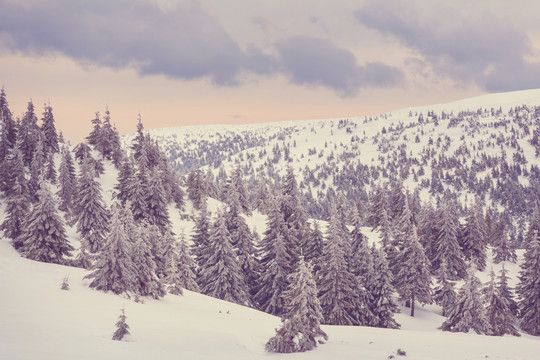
{"x":185,"y":62}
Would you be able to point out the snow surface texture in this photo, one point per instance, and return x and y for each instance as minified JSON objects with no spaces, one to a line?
{"x":38,"y":320}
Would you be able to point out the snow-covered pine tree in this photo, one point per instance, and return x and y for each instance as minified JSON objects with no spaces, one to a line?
{"x":261,"y":197}
{"x":125,"y":177}
{"x":138,"y":140}
{"x":413,"y":278}
{"x":196,"y":188}
{"x":468,"y":311}
{"x":186,"y":266}
{"x":91,"y":216}
{"x":17,"y":207}
{"x":66,"y":183}
{"x":498,"y":313}
{"x":505,"y":291}
{"x":222,"y":277}
{"x":28,"y":134}
{"x":294,"y":214}
{"x":338,"y":287}
{"x":301,"y":329}
{"x":172,"y":280}
{"x":9,"y":126}
{"x":446,"y":245}
{"x":502,"y":249}
{"x":276,"y":260}
{"x":380,"y":289}
{"x":528,"y":289}
{"x":534,"y":225}
{"x":114,"y":270}
{"x":313,"y":248}
{"x":43,"y":235}
{"x":378,"y":204}
{"x":50,"y":137}
{"x":146,"y":281}
{"x":473,"y":239}
{"x":156,"y":212}
{"x":92,"y":138}
{"x":200,"y":238}
{"x":444,"y":293}
{"x":122,"y":328}
{"x":235,"y":188}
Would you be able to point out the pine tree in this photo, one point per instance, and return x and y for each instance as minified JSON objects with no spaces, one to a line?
{"x":379,"y":203}
{"x":446,"y":246}
{"x":528,"y":289}
{"x":28,"y":134}
{"x":186,"y":267}
{"x":114,"y":270}
{"x":236,"y":190}
{"x":200,"y":238}
{"x":156,"y":212}
{"x":534,"y":225}
{"x":16,"y":210}
{"x":313,"y":248}
{"x":10,"y":126}
{"x":172,"y":275}
{"x":222,"y":277}
{"x":468,"y":311}
{"x":125,"y":177}
{"x":444,"y":293}
{"x":301,"y":329}
{"x":43,"y":236}
{"x":499,"y":316}
{"x":474,"y":237}
{"x":380,"y":289}
{"x":66,"y":183}
{"x":92,"y":138}
{"x":413,"y":279}
{"x":502,"y":249}
{"x":338,"y":287}
{"x":50,"y":137}
{"x":196,"y":188}
{"x":277,"y":263}
{"x":138,"y":140}
{"x":261,"y":197}
{"x":122,"y":328}
{"x":146,"y":280}
{"x":505,"y":291}
{"x":91,"y":215}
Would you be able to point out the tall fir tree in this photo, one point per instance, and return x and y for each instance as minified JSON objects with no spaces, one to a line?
{"x":499,"y":316}
{"x":413,"y":278}
{"x":338,"y":287}
{"x":28,"y":134}
{"x":17,"y":208}
{"x":91,"y":216}
{"x":468,"y":311}
{"x":378,"y":204}
{"x":502,"y":249}
{"x":186,"y":266}
{"x":528,"y":289}
{"x":147,"y":282}
{"x":156,"y":212}
{"x":222,"y":277}
{"x":473,"y":239}
{"x":43,"y":236}
{"x":67,"y":183}
{"x":301,"y":329}
{"x":444,"y":293}
{"x":92,"y":138}
{"x":200,"y":238}
{"x":313,"y":248}
{"x":534,"y":225}
{"x":114,"y":270}
{"x":50,"y":136}
{"x":381,"y":290}
{"x":505,"y":290}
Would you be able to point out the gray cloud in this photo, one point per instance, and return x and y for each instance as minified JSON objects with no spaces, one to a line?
{"x":319,"y":62}
{"x":469,"y":47}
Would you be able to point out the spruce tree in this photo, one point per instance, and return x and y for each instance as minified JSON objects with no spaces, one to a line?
{"x":506,"y":292}
{"x":468,"y":311}
{"x":313,"y":248}
{"x":502,"y":249}
{"x":338,"y":287}
{"x":301,"y":329}
{"x":114,"y":270}
{"x":172,"y":280}
{"x":498,"y":313}
{"x":91,"y":216}
{"x":200,"y":238}
{"x":36,"y":169}
{"x":379,"y":203}
{"x":67,"y":183}
{"x":528,"y":289}
{"x":276,"y":260}
{"x":413,"y":279}
{"x":146,"y":280}
{"x":444,"y":293}
{"x":43,"y":236}
{"x":16,"y":210}
{"x":156,"y":212}
{"x":196,"y":188}
{"x":125,"y":177}
{"x":28,"y":134}
{"x":92,"y":138}
{"x":186,"y":267}
{"x":50,"y":173}
{"x":50,"y":137}
{"x":534,"y":225}
{"x":380,"y":289}
{"x":222,"y":277}
{"x":473,"y":240}
{"x":122,"y":328}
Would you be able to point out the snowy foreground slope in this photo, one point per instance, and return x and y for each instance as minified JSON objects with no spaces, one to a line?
{"x":40,"y":321}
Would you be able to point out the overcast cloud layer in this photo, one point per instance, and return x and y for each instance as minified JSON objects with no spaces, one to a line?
{"x":470,"y":46}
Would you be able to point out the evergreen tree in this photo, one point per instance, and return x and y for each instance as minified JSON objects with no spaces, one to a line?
{"x":468,"y":311}
{"x":276,"y":261}
{"x":261,"y":197}
{"x":301,"y":329}
{"x":222,"y":277}
{"x":16,"y":210}
{"x":444,"y":294}
{"x":502,"y":249}
{"x":380,"y":289}
{"x":50,"y":174}
{"x":200,"y":239}
{"x":337,"y":285}
{"x":92,"y":138}
{"x":236,"y":193}
{"x":499,"y":316}
{"x":446,"y":247}
{"x":534,"y":225}
{"x":196,"y":188}
{"x":506,"y":292}
{"x":28,"y":134}
{"x":43,"y":236}
{"x":122,"y":328}
{"x":67,"y":183}
{"x":413,"y":279}
{"x":114,"y":270}
{"x":473,"y":239}
{"x":528,"y":289}
{"x":9,"y":125}
{"x":313,"y":249}
{"x":379,"y":203}
{"x":105,"y":142}
{"x":125,"y":177}
{"x":186,"y":267}
{"x":50,"y":137}
{"x":146,"y":280}
{"x":156,"y":212}
{"x":172,"y":277}
{"x":138,"y":141}
{"x":91,"y":215}
{"x":37,"y":169}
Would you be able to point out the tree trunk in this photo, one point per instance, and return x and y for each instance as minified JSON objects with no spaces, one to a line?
{"x":412,"y":304}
